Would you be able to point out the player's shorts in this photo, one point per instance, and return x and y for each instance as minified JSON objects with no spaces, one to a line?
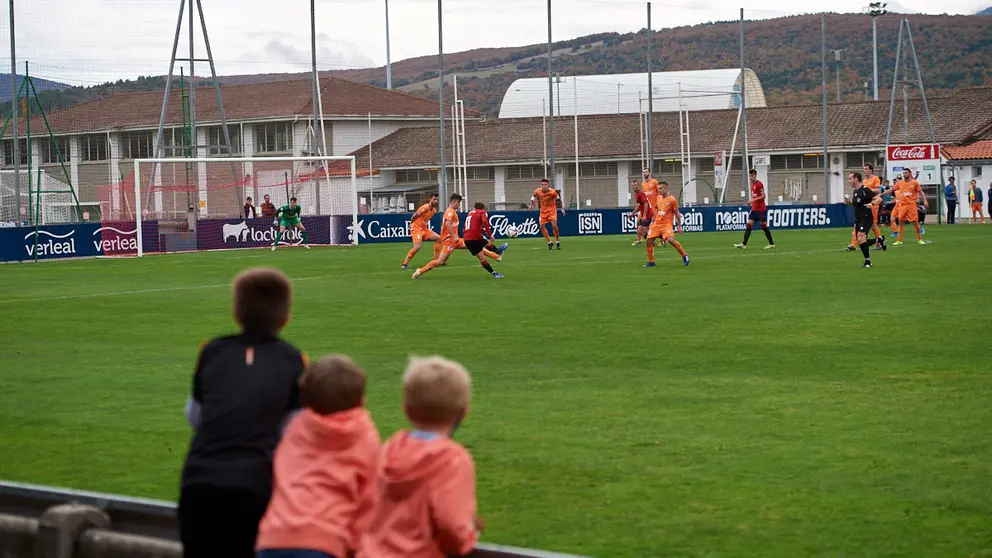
{"x":906,"y":213}
{"x":644,"y":223}
{"x":476,"y":246}
{"x":863,"y":225}
{"x":549,"y":218}
{"x":418,"y":236}
{"x":977,"y":207}
{"x":758,"y":216}
{"x":289,"y":223}
{"x":661,"y":230}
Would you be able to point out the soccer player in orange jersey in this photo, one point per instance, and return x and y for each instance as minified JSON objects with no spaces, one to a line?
{"x":643,"y":210}
{"x":666,"y":217}
{"x":874,"y":184}
{"x":908,"y":192}
{"x":420,"y":230}
{"x":650,"y":187}
{"x":450,"y":240}
{"x":550,"y":203}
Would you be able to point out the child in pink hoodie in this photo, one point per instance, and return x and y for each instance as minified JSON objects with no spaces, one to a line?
{"x":324,"y":490}
{"x":426,"y":481}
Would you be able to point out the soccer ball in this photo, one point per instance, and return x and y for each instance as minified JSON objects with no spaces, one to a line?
{"x":512,"y":231}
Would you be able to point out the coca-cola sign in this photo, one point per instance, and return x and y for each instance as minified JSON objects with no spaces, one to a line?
{"x":914,"y":152}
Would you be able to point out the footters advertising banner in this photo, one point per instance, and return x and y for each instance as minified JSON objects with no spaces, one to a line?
{"x":396,"y":227}
{"x":219,"y":234}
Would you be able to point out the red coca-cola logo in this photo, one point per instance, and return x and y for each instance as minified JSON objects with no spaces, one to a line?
{"x":912,"y":152}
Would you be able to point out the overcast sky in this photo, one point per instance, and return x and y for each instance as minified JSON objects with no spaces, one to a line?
{"x":86,"y":42}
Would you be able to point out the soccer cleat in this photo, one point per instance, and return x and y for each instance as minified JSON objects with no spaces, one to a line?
{"x":636,"y":243}
{"x":884,"y":246}
{"x":897,"y":243}
{"x":558,"y":245}
{"x":417,"y":273}
{"x":273,"y":248}
{"x":866,"y":265}
{"x":499,"y":258}
{"x":497,"y":275}
{"x":769,"y":247}
{"x":404,"y":266}
{"x":685,"y":259}
{"x":922,"y":230}
{"x":850,"y":248}
{"x":741,"y":246}
{"x":550,"y":246}
{"x":502,"y":247}
{"x":650,"y":264}
{"x":894,"y":235}
{"x":307,"y":246}
{"x":921,"y":241}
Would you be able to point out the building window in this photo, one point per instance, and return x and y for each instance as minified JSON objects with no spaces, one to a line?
{"x":668,"y":166}
{"x":475,"y":173}
{"x":525,"y":172}
{"x":276,"y":137}
{"x":216,"y":144}
{"x":93,"y":147}
{"x":137,"y":145}
{"x":416,"y":176}
{"x":50,"y":150}
{"x":593,"y":170}
{"x":858,"y":159}
{"x":797,"y":162}
{"x":8,"y":152}
{"x":174,"y":142}
{"x":976,"y":172}
{"x":706,"y":164}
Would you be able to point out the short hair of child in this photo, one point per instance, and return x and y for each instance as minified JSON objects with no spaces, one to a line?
{"x":436,"y":391}
{"x":262,"y":298}
{"x":331,"y":385}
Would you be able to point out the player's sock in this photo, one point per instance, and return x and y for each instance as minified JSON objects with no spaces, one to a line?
{"x":864,"y":250}
{"x":768,"y":235}
{"x":650,"y":253}
{"x":556,"y":233}
{"x":901,"y":230}
{"x":306,"y":238}
{"x":854,"y":239}
{"x":919,"y":235}
{"x":430,"y":265}
{"x":490,"y":254}
{"x":437,"y":250}
{"x":278,"y":238}
{"x":747,"y":234}
{"x":678,"y":246}
{"x":547,"y":237}
{"x":489,"y":268}
{"x":639,"y":237}
{"x":409,"y":256}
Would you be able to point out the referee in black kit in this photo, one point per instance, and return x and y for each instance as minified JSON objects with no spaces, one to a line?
{"x":862,"y":199}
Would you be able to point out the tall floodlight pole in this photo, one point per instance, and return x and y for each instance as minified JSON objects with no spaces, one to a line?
{"x":650,"y":127}
{"x":389,"y":65}
{"x":823,"y":85}
{"x":14,"y":117}
{"x":316,"y":79}
{"x":442,"y":180}
{"x":838,"y":56}
{"x":875,"y":9}
{"x":745,"y":163}
{"x":551,"y":121}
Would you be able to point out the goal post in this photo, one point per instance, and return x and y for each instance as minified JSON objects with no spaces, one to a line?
{"x":202,"y":203}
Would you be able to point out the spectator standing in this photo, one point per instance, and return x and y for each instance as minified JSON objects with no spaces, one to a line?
{"x":244,"y":389}
{"x":951,"y":197}
{"x":975,"y":199}
{"x":426,"y":481}
{"x":990,"y":200}
{"x":325,"y":468}
{"x":268,"y":208}
{"x":250,"y":211}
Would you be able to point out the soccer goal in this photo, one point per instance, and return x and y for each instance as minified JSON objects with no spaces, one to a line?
{"x":199,"y":204}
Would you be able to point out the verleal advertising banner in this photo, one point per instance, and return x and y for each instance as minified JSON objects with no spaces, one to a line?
{"x":396,"y":227}
{"x":219,"y":234}
{"x":49,"y":242}
{"x":120,"y":238}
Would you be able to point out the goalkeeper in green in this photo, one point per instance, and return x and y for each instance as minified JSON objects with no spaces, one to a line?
{"x":288,"y":217}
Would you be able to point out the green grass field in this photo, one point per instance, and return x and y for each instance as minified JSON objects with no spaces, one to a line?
{"x":781,"y":403}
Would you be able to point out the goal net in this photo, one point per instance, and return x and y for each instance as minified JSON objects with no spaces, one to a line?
{"x":43,"y":199}
{"x":175,"y":205}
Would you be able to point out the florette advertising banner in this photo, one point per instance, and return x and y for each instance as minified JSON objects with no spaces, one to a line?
{"x":219,"y":234}
{"x":396,"y":227}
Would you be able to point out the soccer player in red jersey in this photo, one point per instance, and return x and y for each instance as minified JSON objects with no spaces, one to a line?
{"x":644,"y":211}
{"x":420,"y":230}
{"x":478,"y":236}
{"x":759,"y":212}
{"x":450,"y":240}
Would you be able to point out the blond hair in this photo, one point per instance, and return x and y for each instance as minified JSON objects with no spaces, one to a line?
{"x":331,"y":385}
{"x":436,"y":391}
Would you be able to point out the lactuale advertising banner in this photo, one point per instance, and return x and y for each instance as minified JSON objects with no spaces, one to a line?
{"x":396,"y":227}
{"x":219,"y":234}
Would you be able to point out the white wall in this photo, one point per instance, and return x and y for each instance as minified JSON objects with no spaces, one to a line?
{"x":499,"y":186}
{"x":623,"y":184}
{"x":838,"y":180}
{"x":963,"y":175}
{"x":350,"y":135}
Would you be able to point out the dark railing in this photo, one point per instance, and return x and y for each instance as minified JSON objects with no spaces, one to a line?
{"x":46,"y":522}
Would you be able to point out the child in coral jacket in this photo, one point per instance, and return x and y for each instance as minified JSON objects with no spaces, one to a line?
{"x":324,"y":490}
{"x":426,"y":481}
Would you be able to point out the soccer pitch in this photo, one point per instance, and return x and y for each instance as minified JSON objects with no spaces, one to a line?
{"x":774,"y":403}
